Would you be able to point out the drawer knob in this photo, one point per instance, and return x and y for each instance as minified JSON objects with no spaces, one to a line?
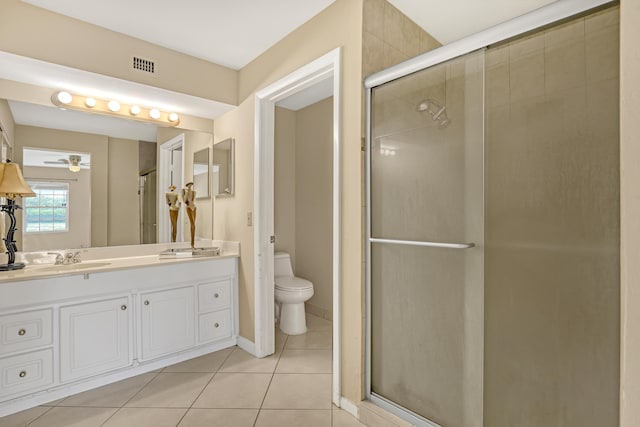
{"x":123,"y":307}
{"x":217,"y":325}
{"x":146,"y":302}
{"x":216,"y":295}
{"x":22,"y":374}
{"x":21,"y":332}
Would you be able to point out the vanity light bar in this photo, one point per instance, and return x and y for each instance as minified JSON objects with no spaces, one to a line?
{"x":115,"y":108}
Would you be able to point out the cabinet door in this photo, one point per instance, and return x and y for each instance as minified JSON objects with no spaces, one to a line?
{"x":94,"y":338}
{"x":168,"y":321}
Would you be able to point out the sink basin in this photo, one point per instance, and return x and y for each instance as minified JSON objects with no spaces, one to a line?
{"x":73,"y":267}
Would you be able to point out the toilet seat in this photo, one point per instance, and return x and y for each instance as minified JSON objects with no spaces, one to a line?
{"x":284,"y":283}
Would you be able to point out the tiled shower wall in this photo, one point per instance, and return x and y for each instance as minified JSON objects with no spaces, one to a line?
{"x":552,"y":227}
{"x":390,"y":37}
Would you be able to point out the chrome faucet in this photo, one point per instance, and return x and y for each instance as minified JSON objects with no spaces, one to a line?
{"x":68,"y":257}
{"x":59,"y":257}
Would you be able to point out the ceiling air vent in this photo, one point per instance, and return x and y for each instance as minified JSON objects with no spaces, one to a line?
{"x":145,"y":65}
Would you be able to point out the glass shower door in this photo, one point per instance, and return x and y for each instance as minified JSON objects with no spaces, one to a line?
{"x":425,"y":246}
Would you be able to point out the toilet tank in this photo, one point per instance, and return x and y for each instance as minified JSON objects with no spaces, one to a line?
{"x":282,"y":264}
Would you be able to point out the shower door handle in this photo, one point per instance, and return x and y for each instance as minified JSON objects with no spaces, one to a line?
{"x":421,"y":243}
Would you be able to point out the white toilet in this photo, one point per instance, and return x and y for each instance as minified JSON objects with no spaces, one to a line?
{"x":290,"y":293}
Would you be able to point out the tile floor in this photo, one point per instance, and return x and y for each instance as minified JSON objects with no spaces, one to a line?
{"x":227,"y":388}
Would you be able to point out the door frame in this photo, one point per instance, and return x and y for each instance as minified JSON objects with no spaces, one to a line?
{"x":328,"y":66}
{"x":164,"y":180}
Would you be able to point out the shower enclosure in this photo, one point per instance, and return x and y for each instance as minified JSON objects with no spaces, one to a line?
{"x":493,"y":230}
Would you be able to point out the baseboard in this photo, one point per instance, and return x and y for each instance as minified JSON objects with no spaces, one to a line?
{"x":349,"y":406}
{"x":318,"y":311}
{"x":246,"y":345}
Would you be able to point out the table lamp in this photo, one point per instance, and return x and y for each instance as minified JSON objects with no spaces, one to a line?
{"x":12,"y":185}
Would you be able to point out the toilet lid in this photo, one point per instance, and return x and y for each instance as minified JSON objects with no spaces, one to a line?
{"x":292,"y":283}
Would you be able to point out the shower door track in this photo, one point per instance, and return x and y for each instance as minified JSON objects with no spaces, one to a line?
{"x":546,"y":15}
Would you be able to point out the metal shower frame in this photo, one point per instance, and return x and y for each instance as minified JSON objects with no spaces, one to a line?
{"x":544,"y":16}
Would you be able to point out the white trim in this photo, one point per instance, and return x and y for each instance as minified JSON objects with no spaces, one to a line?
{"x":546,"y":15}
{"x":164,"y":177}
{"x":327,"y":66}
{"x":246,"y":345}
{"x":349,"y":406}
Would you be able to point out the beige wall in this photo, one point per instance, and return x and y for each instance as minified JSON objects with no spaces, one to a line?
{"x":630,"y":210}
{"x":285,"y":182}
{"x":6,"y":120}
{"x":338,"y":25}
{"x":97,"y":146}
{"x":231,"y":212}
{"x":390,"y":37}
{"x":303,"y":197}
{"x":314,"y":205}
{"x":123,"y":199}
{"x":37,"y":33}
{"x":79,"y":233}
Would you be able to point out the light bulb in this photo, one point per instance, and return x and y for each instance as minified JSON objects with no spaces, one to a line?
{"x":173,"y":117}
{"x":114,"y":106}
{"x":64,"y":97}
{"x":90,"y":102}
{"x":154,"y":113}
{"x":135,"y":110}
{"x":74,"y":168}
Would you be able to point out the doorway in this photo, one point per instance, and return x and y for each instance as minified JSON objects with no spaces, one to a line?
{"x":310,"y":76}
{"x":171,"y":172}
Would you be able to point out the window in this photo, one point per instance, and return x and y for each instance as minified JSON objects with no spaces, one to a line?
{"x":48,"y":211}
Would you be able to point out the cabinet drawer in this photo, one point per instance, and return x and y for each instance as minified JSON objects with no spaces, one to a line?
{"x":214,"y":326}
{"x":214,"y":296}
{"x":26,"y":372}
{"x":24,"y":331}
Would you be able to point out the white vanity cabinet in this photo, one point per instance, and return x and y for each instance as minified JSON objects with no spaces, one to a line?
{"x":166,"y":321}
{"x":26,"y":352}
{"x":95,"y":337}
{"x":72,"y":332}
{"x":214,"y":310}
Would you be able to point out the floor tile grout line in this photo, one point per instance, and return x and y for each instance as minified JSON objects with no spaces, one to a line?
{"x":134,"y":395}
{"x":207,"y":385}
{"x":270,"y":381}
{"x":39,"y":416}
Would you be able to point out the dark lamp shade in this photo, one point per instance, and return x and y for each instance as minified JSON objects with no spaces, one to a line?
{"x":12,"y":183}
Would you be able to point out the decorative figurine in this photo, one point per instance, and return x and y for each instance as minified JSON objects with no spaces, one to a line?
{"x":174,"y":209}
{"x":189,"y":199}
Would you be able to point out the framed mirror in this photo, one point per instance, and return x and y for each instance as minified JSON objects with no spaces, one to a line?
{"x":222,"y":168}
{"x":201,"y":173}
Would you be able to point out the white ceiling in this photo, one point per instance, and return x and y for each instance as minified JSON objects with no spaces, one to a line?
{"x":227,"y":32}
{"x":451,"y":20}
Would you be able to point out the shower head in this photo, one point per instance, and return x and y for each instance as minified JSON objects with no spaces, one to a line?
{"x":436,"y":110}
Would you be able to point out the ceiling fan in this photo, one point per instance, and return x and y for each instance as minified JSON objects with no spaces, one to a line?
{"x":73,"y":161}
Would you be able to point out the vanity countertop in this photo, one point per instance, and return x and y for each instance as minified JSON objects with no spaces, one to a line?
{"x":42,"y":271}
{"x":102,"y":265}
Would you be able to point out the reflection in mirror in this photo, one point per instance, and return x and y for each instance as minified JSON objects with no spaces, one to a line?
{"x":201,"y":173}
{"x":223,"y":160}
{"x":122,"y":192}
{"x":62,"y":183}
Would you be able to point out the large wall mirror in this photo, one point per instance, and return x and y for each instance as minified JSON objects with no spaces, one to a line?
{"x":223,"y":167}
{"x":117,"y":188}
{"x":201,"y":177}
